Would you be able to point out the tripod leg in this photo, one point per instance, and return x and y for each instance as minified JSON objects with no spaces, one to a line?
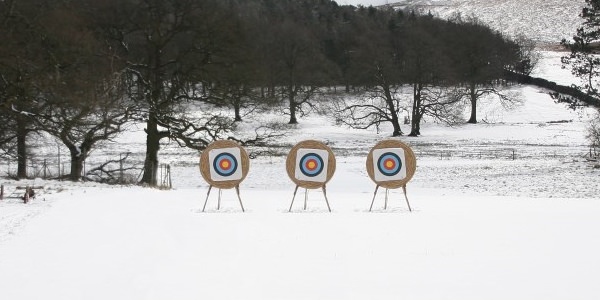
{"x":237,"y":189}
{"x":387,"y":191}
{"x":219,"y":203}
{"x":206,"y":201}
{"x":326,"y":201}
{"x":374,"y":194}
{"x":294,"y":197}
{"x":305,"y":197}
{"x":406,"y":197}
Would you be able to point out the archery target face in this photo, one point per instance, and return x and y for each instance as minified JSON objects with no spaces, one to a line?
{"x":389,"y":164}
{"x":311,"y":164}
{"x":225,"y":164}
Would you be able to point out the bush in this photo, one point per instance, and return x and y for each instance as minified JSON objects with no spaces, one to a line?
{"x":594,"y":135}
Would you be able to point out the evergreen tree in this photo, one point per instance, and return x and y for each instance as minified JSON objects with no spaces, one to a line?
{"x":583,"y":59}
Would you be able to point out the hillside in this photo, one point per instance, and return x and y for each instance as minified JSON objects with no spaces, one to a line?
{"x":545,"y":21}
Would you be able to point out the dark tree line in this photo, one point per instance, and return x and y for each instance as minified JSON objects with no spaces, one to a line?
{"x":81,"y":70}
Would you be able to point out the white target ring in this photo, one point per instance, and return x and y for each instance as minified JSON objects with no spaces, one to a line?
{"x":224,"y":164}
{"x":389,"y":164}
{"x":311,"y":165}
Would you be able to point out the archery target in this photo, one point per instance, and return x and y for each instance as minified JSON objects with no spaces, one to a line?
{"x":225,"y":164}
{"x":311,"y":165}
{"x":389,"y":164}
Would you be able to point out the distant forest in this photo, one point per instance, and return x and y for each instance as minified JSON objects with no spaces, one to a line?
{"x":80,"y":70}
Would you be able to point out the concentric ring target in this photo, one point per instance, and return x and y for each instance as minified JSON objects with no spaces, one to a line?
{"x":225,"y":164}
{"x":311,"y":165}
{"x":389,"y":164}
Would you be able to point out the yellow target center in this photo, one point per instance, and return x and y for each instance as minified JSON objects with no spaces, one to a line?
{"x":312,"y":165}
{"x":225,"y":164}
{"x":389,"y":164}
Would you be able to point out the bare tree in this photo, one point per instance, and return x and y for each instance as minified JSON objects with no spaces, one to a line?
{"x":377,"y":108}
{"x":440,"y":103}
{"x":97,"y":116}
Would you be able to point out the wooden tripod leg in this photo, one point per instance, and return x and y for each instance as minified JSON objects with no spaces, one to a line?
{"x":373,"y":201}
{"x":219,"y":203}
{"x":305,"y":198}
{"x":387,"y":192}
{"x":326,"y":201}
{"x":206,"y":201}
{"x":294,"y":197}
{"x":237,"y":189}
{"x":406,"y":197}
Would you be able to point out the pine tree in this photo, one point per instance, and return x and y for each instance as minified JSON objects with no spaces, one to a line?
{"x":584,"y":58}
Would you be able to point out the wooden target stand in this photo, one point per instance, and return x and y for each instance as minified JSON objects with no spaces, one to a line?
{"x":216,"y":174}
{"x":307,"y":169}
{"x":389,"y":180}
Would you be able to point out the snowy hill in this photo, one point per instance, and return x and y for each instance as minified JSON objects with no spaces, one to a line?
{"x":545,"y":21}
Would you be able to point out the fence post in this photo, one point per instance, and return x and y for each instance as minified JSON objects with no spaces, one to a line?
{"x":120,"y":168}
{"x":513,"y":154}
{"x":59,"y":173}
{"x":1,"y":192}
{"x":162,"y":180}
{"x":26,"y":196}
{"x":169,"y":172}
{"x":45,"y":167}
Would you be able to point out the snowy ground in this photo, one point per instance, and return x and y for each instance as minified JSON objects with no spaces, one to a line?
{"x":505,"y":209}
{"x":133,"y":243}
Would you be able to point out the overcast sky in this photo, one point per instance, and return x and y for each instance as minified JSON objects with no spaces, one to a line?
{"x":364,"y":2}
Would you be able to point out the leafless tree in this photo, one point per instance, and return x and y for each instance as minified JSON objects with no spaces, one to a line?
{"x":440,"y":103}
{"x":380,"y":106}
{"x":96,"y":116}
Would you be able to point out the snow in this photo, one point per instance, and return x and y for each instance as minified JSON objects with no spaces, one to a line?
{"x":505,"y":209}
{"x":134,"y":243}
{"x":545,"y":21}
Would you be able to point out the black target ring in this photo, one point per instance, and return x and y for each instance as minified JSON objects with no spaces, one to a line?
{"x":389,"y":157}
{"x":225,"y":164}
{"x":306,"y":160}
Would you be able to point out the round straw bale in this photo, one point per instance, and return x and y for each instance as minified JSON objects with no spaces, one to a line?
{"x":291,"y":164}
{"x":205,"y":164}
{"x":410,"y":163}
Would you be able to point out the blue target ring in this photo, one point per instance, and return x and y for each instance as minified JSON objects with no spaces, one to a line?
{"x":389,"y":164}
{"x":311,"y":164}
{"x":225,"y":164}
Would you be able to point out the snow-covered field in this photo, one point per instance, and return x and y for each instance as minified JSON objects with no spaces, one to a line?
{"x":505,"y":209}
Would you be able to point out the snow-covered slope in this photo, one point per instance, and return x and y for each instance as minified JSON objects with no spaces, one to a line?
{"x":545,"y":21}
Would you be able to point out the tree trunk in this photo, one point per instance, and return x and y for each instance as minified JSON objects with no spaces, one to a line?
{"x":21,"y":147}
{"x":77,"y":160}
{"x":293,"y":107}
{"x":152,"y":147}
{"x":415,"y":125}
{"x":415,"y":128}
{"x":390,"y":103}
{"x":473,"y":99}
{"x":237,"y":103}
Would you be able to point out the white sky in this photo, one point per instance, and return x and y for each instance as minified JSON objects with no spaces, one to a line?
{"x":364,"y":2}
